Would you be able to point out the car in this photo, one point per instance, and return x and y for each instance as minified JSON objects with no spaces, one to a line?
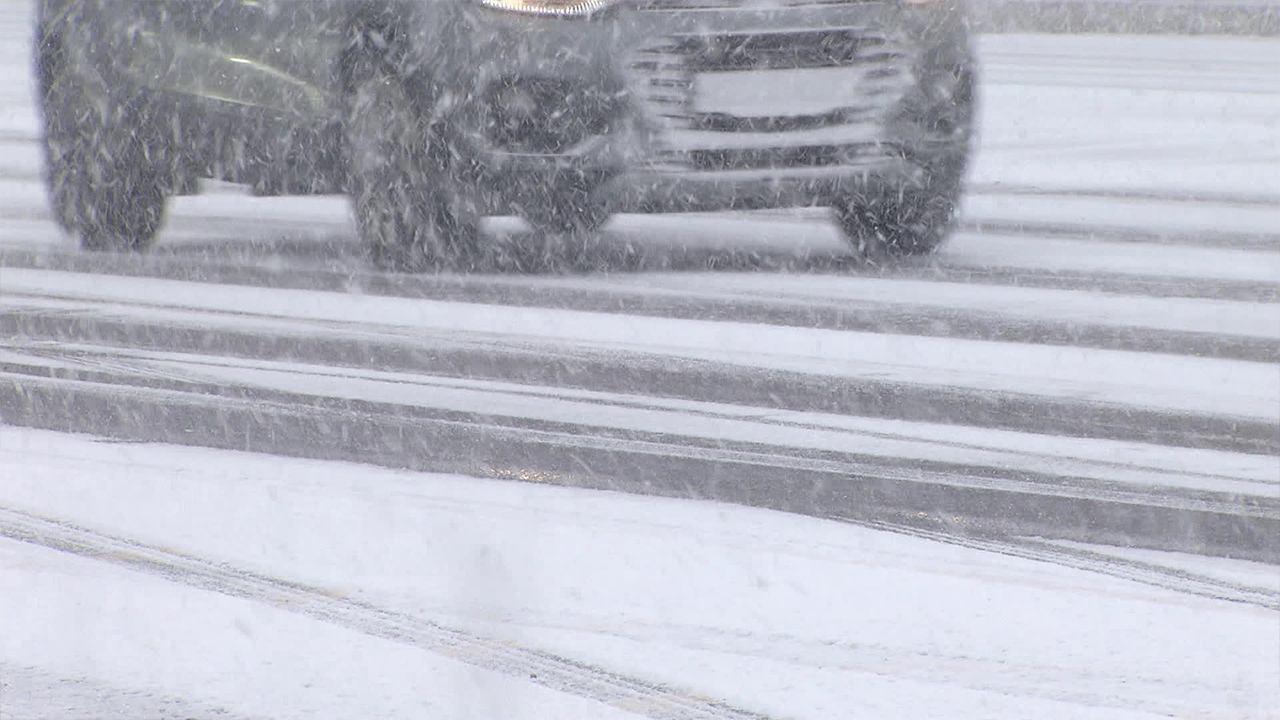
{"x":430,"y":114}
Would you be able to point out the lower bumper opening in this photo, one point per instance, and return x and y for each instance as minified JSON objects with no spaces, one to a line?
{"x":546,"y":116}
{"x":810,"y":156}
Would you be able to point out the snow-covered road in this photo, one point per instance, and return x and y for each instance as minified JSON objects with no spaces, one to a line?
{"x":1041,"y":468}
{"x":665,"y":607}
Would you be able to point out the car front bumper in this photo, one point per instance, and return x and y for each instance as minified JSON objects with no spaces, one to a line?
{"x":713,"y":104}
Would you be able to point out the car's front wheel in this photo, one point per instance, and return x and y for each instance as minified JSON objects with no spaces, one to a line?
{"x":412,"y":215}
{"x":106,"y":176}
{"x":882,"y":220}
{"x":893,"y":223}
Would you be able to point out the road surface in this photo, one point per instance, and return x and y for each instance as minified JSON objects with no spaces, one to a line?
{"x":1033,"y":475}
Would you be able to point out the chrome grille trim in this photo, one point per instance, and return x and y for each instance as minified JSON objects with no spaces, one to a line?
{"x":792,"y":49}
{"x":663,"y":74}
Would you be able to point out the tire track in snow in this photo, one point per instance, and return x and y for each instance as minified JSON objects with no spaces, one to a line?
{"x":1009,"y":501}
{"x":226,"y":246}
{"x":880,"y":375}
{"x":935,"y":307}
{"x":1169,"y":578}
{"x":637,"y":373}
{"x":557,"y":673}
{"x":835,"y":437}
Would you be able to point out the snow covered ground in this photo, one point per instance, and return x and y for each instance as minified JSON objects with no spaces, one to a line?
{"x":1102,"y":331}
{"x":781,"y":615}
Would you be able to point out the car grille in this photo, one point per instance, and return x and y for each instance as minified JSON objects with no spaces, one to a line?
{"x":872,"y":72}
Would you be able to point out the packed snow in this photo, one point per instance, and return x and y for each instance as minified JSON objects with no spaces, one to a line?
{"x":788,"y":616}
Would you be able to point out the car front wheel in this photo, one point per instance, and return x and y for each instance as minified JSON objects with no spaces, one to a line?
{"x":884,"y":220}
{"x":899,"y":223}
{"x":412,"y":215}
{"x":105,"y":175}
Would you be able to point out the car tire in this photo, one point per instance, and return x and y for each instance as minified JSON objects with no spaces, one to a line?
{"x":106,"y":177}
{"x":885,"y":221}
{"x":904,"y":222}
{"x":411,"y":213}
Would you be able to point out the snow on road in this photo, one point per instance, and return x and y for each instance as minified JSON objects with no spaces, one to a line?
{"x":1245,"y":389}
{"x":1103,"y":329}
{"x":1179,"y":115}
{"x":785,"y":616}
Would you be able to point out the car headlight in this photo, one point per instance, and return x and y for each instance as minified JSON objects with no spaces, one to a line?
{"x":561,"y":8}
